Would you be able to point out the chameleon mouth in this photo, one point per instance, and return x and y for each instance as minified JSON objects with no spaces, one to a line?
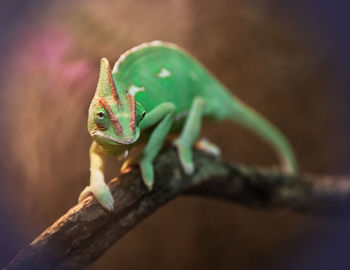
{"x":114,"y":140}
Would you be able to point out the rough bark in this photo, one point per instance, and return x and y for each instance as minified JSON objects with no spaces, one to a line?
{"x":86,"y":231}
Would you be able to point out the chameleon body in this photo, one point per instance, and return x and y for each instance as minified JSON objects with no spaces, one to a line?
{"x":155,"y":89}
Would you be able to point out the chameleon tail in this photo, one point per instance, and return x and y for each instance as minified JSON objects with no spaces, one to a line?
{"x":248,"y":117}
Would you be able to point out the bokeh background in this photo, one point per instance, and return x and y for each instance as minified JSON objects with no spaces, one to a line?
{"x":287,"y":59}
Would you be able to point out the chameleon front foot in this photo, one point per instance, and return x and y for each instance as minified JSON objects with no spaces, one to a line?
{"x":102,"y":194}
{"x":185,"y":156}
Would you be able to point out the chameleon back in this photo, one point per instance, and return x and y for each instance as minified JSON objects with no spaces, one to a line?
{"x":159,"y":72}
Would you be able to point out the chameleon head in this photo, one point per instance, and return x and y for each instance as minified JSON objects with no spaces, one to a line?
{"x":112,"y":120}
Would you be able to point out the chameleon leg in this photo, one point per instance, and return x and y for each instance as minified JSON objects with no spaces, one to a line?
{"x":97,"y":185}
{"x":164,"y":114}
{"x":190,"y":134}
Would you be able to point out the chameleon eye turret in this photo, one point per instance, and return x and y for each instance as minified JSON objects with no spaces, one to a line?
{"x":139,"y":117}
{"x":101,"y":119}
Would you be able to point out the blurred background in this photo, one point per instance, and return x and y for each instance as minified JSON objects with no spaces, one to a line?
{"x":287,"y":59}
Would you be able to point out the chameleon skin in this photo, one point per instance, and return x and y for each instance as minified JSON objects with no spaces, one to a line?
{"x":156,"y":89}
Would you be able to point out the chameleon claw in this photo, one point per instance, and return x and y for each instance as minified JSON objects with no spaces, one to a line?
{"x":102,"y":194}
{"x":84,"y":194}
{"x":185,"y":156}
{"x":147,"y":174}
{"x":110,"y":206}
{"x":188,"y":168}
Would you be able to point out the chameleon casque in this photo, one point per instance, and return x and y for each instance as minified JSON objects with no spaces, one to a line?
{"x":156,"y":89}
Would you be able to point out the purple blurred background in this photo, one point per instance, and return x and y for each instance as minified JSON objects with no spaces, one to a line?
{"x":288,"y":59}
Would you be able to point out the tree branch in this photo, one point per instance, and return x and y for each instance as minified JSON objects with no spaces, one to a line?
{"x":86,"y":231}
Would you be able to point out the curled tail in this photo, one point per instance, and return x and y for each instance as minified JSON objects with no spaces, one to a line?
{"x":246,"y":116}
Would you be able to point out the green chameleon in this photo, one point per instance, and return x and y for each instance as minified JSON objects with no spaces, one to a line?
{"x":156,"y":89}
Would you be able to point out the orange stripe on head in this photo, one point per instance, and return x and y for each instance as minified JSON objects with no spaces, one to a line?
{"x":116,"y":124}
{"x":132,"y":109}
{"x":112,"y":85}
{"x":126,"y":91}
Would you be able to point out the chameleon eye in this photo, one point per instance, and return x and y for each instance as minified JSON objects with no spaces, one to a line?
{"x":101,"y":119}
{"x":140,"y":117}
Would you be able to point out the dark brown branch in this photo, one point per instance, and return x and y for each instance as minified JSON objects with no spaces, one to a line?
{"x":86,"y":230}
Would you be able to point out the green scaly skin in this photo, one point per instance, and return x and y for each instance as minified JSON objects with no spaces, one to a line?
{"x":160,"y":87}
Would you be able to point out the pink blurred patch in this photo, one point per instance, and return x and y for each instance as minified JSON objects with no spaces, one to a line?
{"x":44,"y":55}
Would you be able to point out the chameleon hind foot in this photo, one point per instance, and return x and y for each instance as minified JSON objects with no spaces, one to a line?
{"x":102,"y":194}
{"x":185,"y":156}
{"x":208,"y":147}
